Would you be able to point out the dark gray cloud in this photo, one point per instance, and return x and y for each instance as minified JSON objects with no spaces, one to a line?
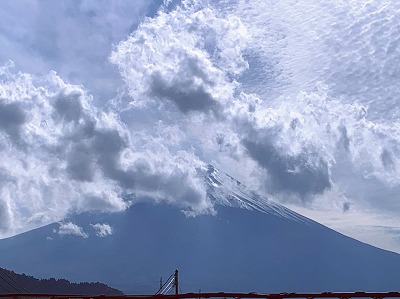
{"x":183,"y":92}
{"x":344,"y":138}
{"x":292,"y":174}
{"x":108,"y":144}
{"x":190,"y":88}
{"x":12,"y":117}
{"x":5,"y":220}
{"x":387,"y":160}
{"x":69,"y":107}
{"x":5,"y":209}
{"x":80,"y":163}
{"x":346,"y":206}
{"x":92,"y":147}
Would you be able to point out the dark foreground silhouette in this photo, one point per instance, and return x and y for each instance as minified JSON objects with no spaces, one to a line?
{"x":13,"y":283}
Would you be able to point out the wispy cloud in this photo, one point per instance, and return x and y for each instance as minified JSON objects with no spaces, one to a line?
{"x":102,"y":229}
{"x":69,"y":228}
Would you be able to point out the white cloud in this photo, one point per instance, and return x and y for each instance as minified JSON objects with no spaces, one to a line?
{"x":185,"y":56}
{"x":61,"y":154}
{"x":69,"y":228}
{"x":48,"y":122}
{"x":102,"y":229}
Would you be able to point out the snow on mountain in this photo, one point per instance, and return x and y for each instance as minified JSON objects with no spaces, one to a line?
{"x":227,"y":191}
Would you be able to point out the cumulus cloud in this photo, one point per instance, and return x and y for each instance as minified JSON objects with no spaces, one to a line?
{"x":69,"y":228}
{"x":62,"y":154}
{"x":102,"y":229}
{"x":186,"y":56}
{"x":311,"y":141}
{"x":38,"y":145}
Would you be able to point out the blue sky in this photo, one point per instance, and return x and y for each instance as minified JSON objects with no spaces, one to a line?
{"x":103,"y":99}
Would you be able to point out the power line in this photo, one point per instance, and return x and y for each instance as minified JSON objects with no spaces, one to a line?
{"x":9,"y":285}
{"x":5,"y":273}
{"x":167,"y":282}
{"x":167,"y":287}
{"x":5,"y":289}
{"x":171,"y":282}
{"x":15,"y":282}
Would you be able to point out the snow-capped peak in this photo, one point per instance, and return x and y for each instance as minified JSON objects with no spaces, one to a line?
{"x":224,"y":190}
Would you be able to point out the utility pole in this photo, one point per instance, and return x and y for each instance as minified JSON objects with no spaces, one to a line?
{"x":176,"y":282}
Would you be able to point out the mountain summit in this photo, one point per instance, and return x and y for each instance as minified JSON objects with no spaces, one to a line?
{"x":251,"y":244}
{"x":224,"y":190}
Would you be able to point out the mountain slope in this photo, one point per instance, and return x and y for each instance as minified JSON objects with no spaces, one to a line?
{"x":261,"y":247}
{"x":225,"y":190}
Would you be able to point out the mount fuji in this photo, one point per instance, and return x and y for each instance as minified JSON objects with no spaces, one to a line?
{"x":251,"y":244}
